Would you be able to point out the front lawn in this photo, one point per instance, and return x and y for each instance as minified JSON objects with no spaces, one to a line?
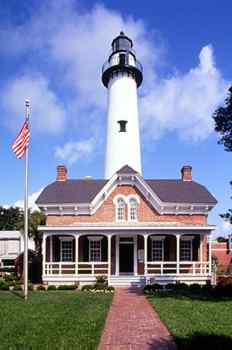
{"x":196,"y":322}
{"x":52,"y":320}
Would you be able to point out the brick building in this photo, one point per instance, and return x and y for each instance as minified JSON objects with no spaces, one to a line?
{"x":222,"y":251}
{"x":125,"y":226}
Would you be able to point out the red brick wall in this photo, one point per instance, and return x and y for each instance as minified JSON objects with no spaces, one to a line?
{"x":106,"y":212}
{"x":223,"y":255}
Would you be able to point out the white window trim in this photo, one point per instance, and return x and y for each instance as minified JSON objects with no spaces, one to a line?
{"x":157,"y":238}
{"x":189,"y":239}
{"x":136,"y":198}
{"x":65,"y":239}
{"x":116,"y":198}
{"x":95,"y":239}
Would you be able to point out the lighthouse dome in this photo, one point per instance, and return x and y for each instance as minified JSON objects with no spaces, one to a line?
{"x":122,"y":43}
{"x":122,"y":59}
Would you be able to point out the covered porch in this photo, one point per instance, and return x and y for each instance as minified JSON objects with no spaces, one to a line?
{"x":126,"y":256}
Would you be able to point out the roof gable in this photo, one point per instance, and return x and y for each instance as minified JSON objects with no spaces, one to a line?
{"x":126,"y":169}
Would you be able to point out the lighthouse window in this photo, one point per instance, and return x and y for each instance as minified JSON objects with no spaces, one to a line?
{"x":122,"y":59}
{"x":121,"y":210}
{"x":122,"y":125}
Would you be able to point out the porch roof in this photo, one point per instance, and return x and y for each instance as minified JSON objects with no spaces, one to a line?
{"x":166,"y":226}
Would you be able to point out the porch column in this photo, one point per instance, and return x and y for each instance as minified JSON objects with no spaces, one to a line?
{"x":109,"y":258}
{"x":178,"y":253}
{"x":44,"y":252}
{"x":145,"y":254}
{"x":51,"y":249}
{"x":76,"y":253}
{"x":210,"y":254}
{"x":201,"y":252}
{"x":117,"y":255}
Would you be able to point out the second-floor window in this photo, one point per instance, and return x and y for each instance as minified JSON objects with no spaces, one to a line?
{"x":121,"y":210}
{"x":133,"y":209}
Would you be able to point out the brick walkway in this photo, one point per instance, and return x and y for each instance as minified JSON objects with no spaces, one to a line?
{"x":132,"y":324}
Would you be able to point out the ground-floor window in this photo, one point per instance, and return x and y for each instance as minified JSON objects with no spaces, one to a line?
{"x":66,"y":250}
{"x":95,"y":248}
{"x":157,"y":248}
{"x":186,"y":249}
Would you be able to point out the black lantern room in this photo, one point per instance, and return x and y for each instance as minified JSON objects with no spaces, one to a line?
{"x":122,"y":59}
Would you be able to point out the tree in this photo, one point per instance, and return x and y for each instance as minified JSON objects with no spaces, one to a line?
{"x":223,"y":125}
{"x":223,"y":122}
{"x":35,"y":219}
{"x":10,"y":218}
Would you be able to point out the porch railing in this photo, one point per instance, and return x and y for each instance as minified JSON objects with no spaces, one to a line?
{"x":71,"y":268}
{"x":175,"y":268}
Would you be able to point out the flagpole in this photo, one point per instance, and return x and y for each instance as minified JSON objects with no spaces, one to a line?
{"x":25,"y":261}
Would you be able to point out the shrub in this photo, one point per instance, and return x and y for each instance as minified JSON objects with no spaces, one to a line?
{"x":147,"y":289}
{"x":51,"y":287}
{"x":41,"y":288}
{"x":4,"y":285}
{"x":170,"y":286}
{"x":10,"y":279}
{"x":207,"y":288}
{"x":195,"y":287}
{"x":99,"y":286}
{"x":225,"y":280}
{"x":87,"y":287}
{"x":156,"y":287}
{"x":101,"y":280}
{"x":17,"y":287}
{"x":181,"y":286}
{"x":223,"y":290}
{"x":30,"y":286}
{"x":67,"y":287}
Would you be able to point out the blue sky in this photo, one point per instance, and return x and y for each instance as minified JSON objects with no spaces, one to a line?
{"x":53,"y":53}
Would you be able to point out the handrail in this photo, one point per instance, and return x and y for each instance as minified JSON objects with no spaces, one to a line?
{"x":108,"y":65}
{"x":72,"y":268}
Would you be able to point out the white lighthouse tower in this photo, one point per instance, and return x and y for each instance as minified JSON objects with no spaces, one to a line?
{"x":122,"y":75}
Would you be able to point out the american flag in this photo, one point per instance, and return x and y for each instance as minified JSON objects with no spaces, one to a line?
{"x":22,"y":141}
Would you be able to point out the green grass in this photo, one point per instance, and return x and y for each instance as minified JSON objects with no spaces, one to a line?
{"x":195,"y":322}
{"x":52,"y":320}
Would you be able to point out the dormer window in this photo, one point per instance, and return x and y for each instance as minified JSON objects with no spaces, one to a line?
{"x":133,"y":209}
{"x":121,"y":210}
{"x":122,"y":125}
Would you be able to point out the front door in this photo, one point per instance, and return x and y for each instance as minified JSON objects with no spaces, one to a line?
{"x":126,"y":258}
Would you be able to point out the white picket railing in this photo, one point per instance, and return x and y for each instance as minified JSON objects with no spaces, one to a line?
{"x":175,"y":268}
{"x":71,"y":268}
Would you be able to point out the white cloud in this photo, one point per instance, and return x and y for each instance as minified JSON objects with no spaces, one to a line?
{"x":72,"y":151}
{"x":47,"y":112}
{"x":185,"y":102}
{"x":31,"y":201}
{"x":75,"y":43}
{"x":224,"y":228}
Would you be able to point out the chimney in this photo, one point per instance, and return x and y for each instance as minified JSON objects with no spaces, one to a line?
{"x":186,"y":173}
{"x":61,"y":174}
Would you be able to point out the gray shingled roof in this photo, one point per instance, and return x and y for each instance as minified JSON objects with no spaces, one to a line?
{"x":180,"y":191}
{"x":84,"y":191}
{"x":71,"y":191}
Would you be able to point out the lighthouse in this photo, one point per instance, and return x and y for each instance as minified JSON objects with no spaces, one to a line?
{"x":122,"y":75}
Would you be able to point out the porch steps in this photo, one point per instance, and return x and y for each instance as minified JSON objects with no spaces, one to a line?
{"x":127,"y":281}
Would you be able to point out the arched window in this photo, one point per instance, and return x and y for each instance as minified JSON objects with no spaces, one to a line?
{"x":121,"y":210}
{"x":133,"y":209}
